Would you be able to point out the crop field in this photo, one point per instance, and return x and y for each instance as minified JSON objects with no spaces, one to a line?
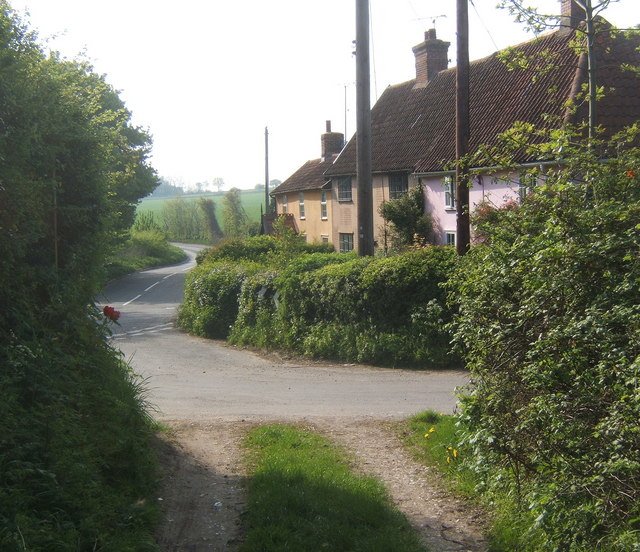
{"x":251,"y":201}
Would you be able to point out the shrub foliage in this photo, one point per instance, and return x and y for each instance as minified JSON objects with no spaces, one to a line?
{"x":549,"y":323}
{"x":281,"y":293}
{"x":74,"y":439}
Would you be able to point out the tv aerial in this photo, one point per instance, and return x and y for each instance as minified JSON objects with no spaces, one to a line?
{"x":432,"y":18}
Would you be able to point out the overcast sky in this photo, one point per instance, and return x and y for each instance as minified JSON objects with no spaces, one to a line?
{"x":206,"y":77}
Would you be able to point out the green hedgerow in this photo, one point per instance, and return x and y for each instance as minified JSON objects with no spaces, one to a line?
{"x":549,"y":324}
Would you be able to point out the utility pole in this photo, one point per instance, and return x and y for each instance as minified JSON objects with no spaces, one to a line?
{"x":363,"y":108}
{"x":591,"y":62}
{"x":463,"y":227}
{"x":266,"y":170}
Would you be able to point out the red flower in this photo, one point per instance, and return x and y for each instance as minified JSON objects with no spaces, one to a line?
{"x":630,"y":173}
{"x":111,"y":313}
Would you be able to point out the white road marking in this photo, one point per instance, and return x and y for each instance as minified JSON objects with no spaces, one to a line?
{"x":150,"y":287}
{"x":132,"y":300}
{"x":142,"y":331}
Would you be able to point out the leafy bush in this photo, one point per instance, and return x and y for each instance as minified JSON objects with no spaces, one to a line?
{"x":250,"y":249}
{"x":76,"y":465}
{"x":549,"y":324}
{"x":210,"y":304}
{"x":186,"y":221}
{"x":408,"y":220}
{"x":257,"y":322}
{"x":144,"y":249}
{"x":386,"y":311}
{"x":262,"y":249}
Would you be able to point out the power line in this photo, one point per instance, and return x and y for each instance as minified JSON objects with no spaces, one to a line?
{"x":484,"y":26}
{"x":373,"y":54}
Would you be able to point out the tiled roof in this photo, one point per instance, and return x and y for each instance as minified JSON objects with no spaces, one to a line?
{"x":414,"y":128}
{"x":308,"y":177}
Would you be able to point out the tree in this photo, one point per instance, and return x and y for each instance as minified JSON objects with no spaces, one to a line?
{"x":408,"y":220}
{"x":234,"y":217}
{"x":166,"y":188}
{"x":218,"y":183}
{"x":208,"y":208}
{"x":585,"y":39}
{"x":72,"y":168}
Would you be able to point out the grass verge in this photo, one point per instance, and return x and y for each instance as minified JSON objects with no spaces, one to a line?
{"x":303,"y":496}
{"x":144,"y":249}
{"x":436,"y":440}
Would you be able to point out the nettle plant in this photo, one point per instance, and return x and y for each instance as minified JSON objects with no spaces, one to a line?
{"x":549,"y":324}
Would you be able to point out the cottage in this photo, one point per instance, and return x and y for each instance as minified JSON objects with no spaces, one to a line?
{"x":305,"y":194}
{"x":413,"y":137}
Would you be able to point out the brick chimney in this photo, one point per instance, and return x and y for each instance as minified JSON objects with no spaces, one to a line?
{"x":570,"y":16}
{"x":431,"y":57}
{"x":332,"y":142}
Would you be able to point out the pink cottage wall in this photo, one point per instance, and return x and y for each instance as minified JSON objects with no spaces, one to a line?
{"x":497,"y":189}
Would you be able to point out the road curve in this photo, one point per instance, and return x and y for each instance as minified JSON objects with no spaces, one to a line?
{"x":190,"y":378}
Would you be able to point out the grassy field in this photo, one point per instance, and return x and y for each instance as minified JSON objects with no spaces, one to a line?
{"x":251,"y":201}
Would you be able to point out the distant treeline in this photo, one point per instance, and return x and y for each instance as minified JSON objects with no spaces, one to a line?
{"x":195,"y":219}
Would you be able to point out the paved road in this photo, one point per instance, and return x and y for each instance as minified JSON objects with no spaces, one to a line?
{"x":196,"y":379}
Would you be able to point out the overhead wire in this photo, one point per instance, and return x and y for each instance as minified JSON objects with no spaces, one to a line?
{"x":373,"y":54}
{"x":484,"y":26}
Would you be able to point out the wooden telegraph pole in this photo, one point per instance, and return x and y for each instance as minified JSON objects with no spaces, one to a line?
{"x":266,"y":170}
{"x":463,"y":229}
{"x":363,"y":141}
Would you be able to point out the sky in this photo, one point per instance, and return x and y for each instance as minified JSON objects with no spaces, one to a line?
{"x":206,"y":77}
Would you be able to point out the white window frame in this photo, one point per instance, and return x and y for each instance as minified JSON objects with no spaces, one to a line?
{"x":448,"y":182}
{"x":324,"y":238}
{"x":345,"y":189}
{"x":450,"y":238}
{"x":323,"y":205}
{"x":301,"y":205}
{"x":398,"y":185}
{"x":345,"y":242}
{"x":285,"y":204}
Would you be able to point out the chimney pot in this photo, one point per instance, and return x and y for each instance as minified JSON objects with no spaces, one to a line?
{"x":331,"y":142}
{"x":432,"y":56}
